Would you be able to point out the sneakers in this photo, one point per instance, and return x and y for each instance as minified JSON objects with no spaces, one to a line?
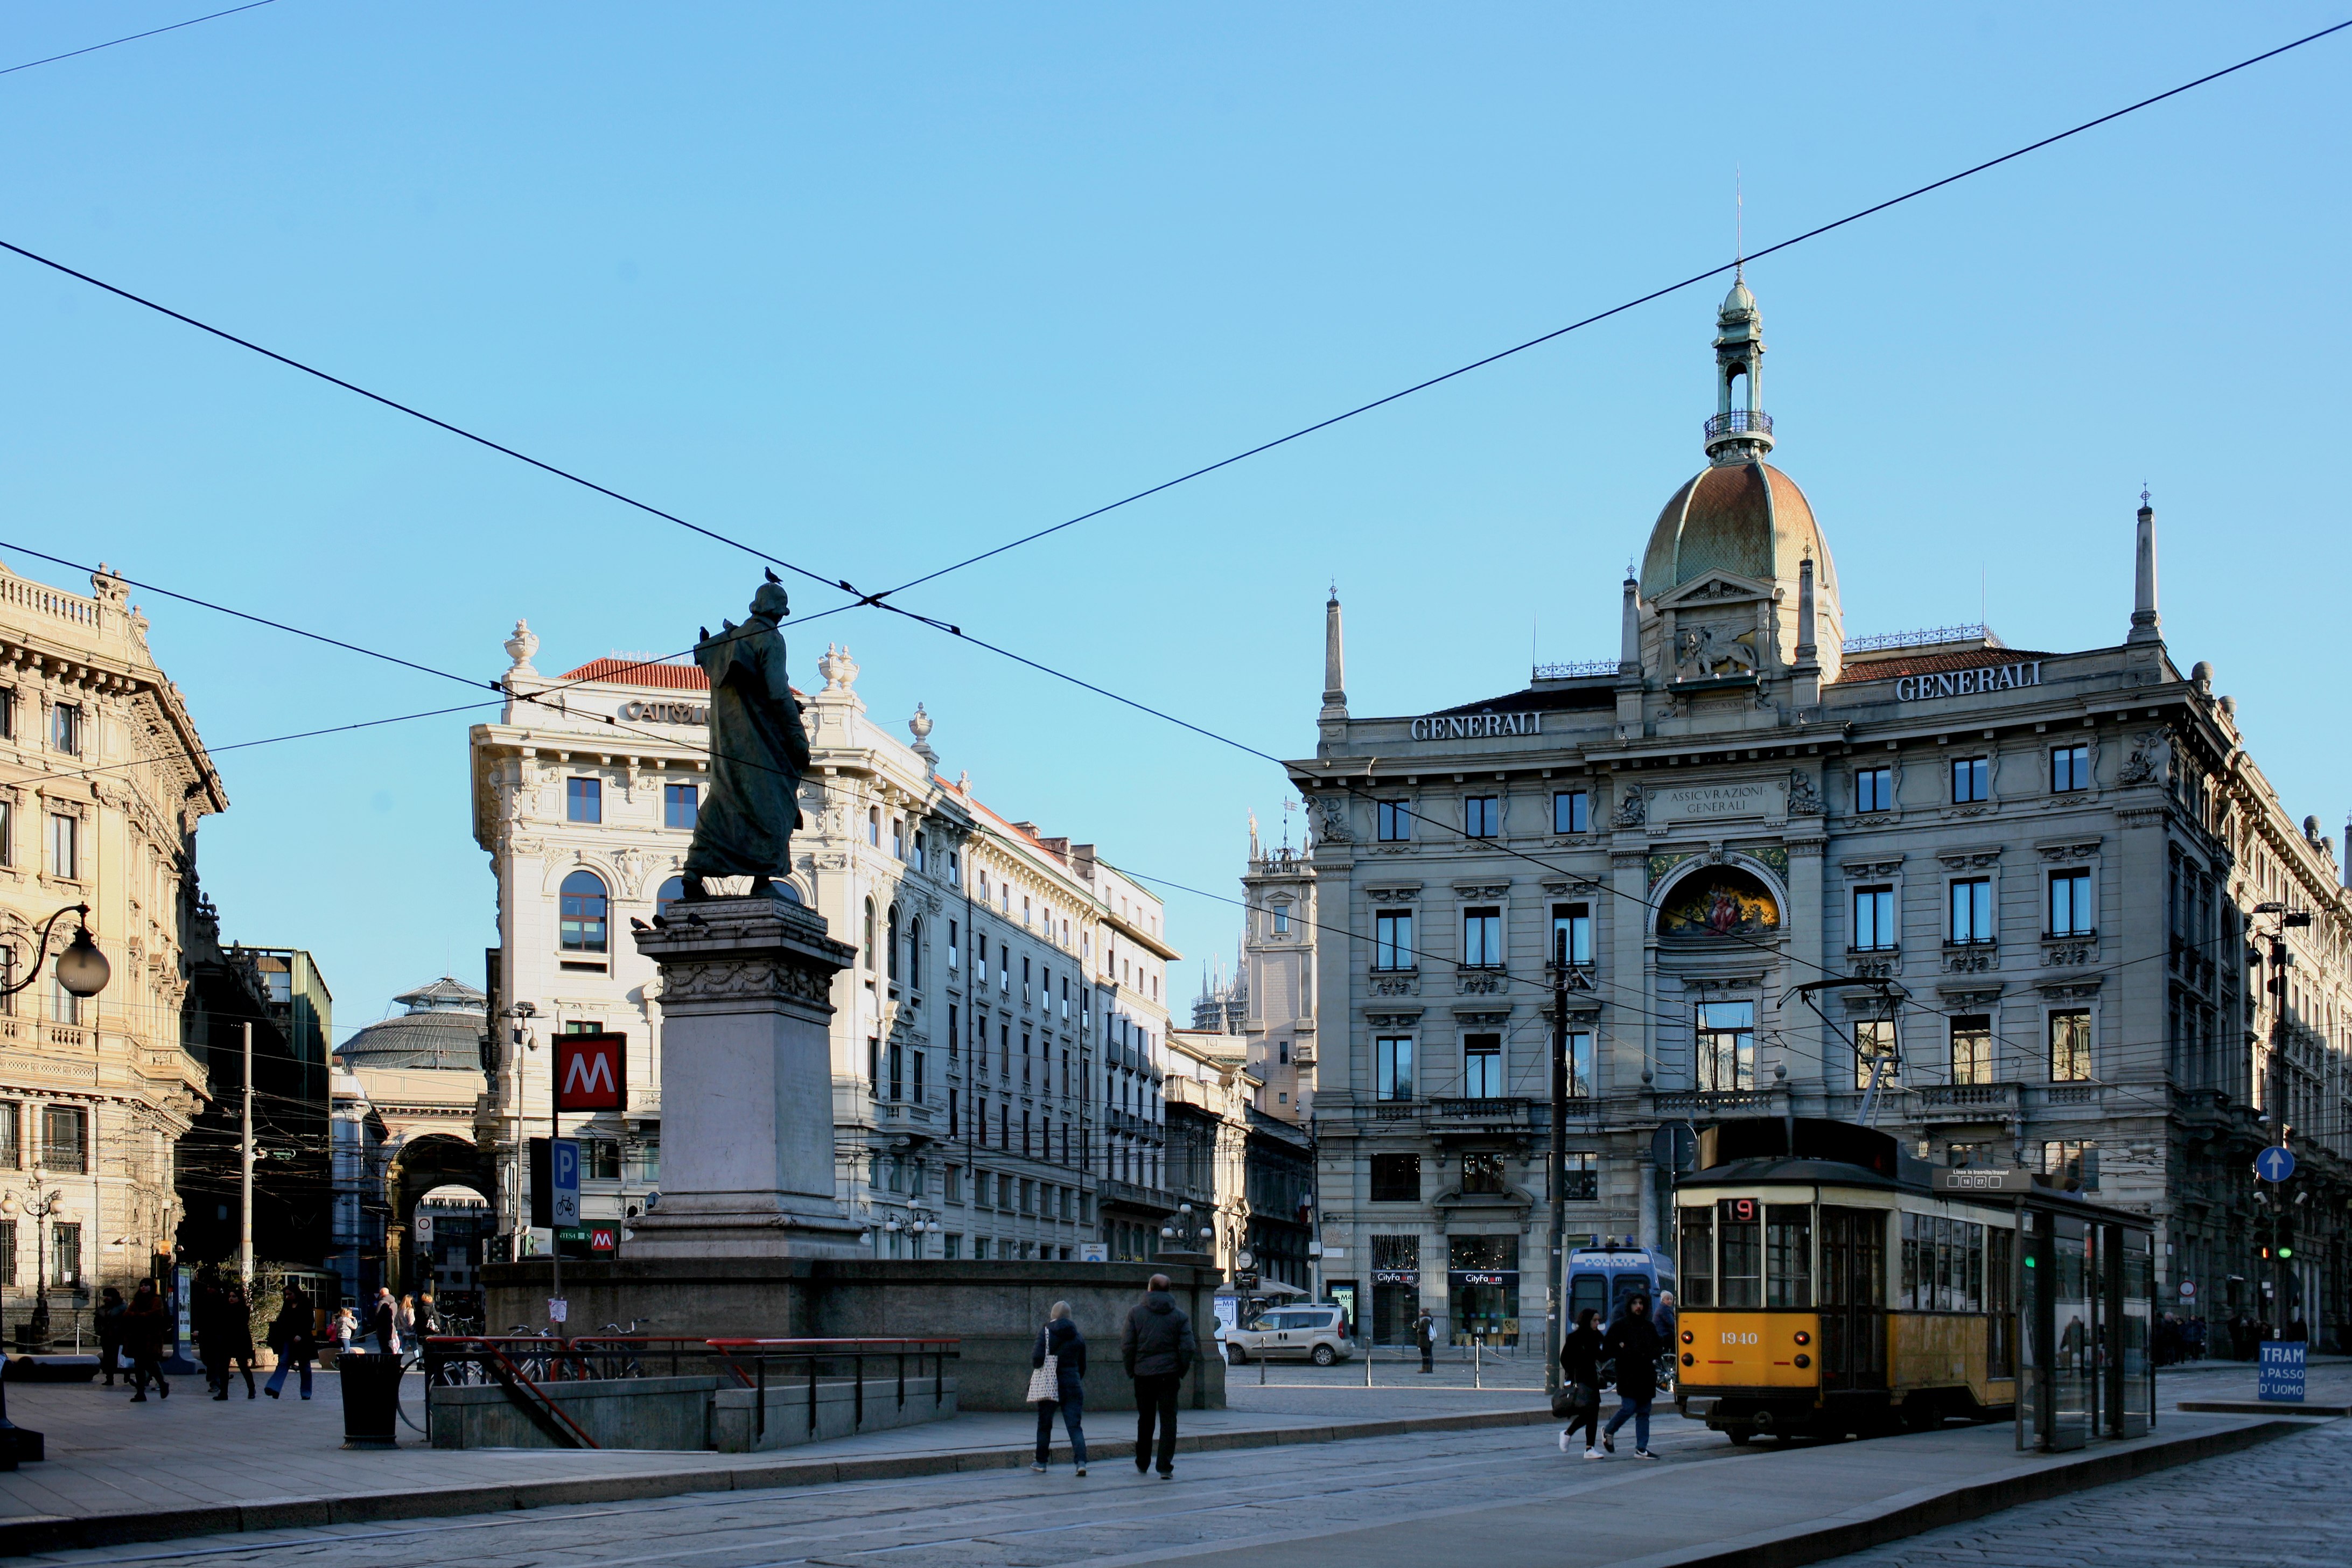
{"x":1644,"y":1454}
{"x":1563,"y":1439}
{"x":1609,"y":1441}
{"x":1167,"y":1475}
{"x":1082,"y":1469}
{"x":1593,"y":1453}
{"x":1039,"y":1469}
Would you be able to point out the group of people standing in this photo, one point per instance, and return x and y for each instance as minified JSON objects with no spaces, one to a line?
{"x":1156,"y":1348}
{"x":221,"y":1315}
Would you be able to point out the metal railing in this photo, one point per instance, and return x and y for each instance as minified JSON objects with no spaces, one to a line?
{"x":1926,"y":636}
{"x":814,"y":1354}
{"x":1575,"y":670}
{"x":1739,"y":422}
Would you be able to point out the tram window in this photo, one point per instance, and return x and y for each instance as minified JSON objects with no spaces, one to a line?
{"x":1910,"y":1296}
{"x":1697,"y":1263}
{"x":2001,"y":1257}
{"x":1972,"y":1290}
{"x":1740,"y":1221}
{"x":1789,"y":1255}
{"x":1944,"y":1247}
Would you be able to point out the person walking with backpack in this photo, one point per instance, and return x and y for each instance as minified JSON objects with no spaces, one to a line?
{"x":1157,"y":1349}
{"x":292,"y":1336}
{"x":1580,"y":1378}
{"x":1060,"y":1343}
{"x":1635,"y":1343}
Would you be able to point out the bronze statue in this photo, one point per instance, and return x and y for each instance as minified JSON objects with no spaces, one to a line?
{"x":758,"y":751}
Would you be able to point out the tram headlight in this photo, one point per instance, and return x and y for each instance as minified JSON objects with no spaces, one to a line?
{"x":1803,"y":1338}
{"x":1689,"y":1360}
{"x":1689,"y":1338}
{"x":1803,"y":1361}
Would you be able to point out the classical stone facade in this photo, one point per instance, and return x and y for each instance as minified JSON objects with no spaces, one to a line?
{"x":103,"y":783}
{"x":998,"y":1045}
{"x":2002,"y":901}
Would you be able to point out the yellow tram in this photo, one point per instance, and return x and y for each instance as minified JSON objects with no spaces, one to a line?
{"x":1831,"y":1284}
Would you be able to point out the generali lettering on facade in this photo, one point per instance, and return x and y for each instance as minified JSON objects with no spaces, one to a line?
{"x":1968,"y":683}
{"x":1475,"y":726}
{"x":666,"y":713}
{"x":1720,"y":799}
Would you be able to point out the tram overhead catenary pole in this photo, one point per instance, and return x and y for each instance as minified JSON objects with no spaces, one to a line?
{"x":1555,"y":1324}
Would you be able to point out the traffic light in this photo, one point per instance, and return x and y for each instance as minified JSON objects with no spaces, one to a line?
{"x":2284,"y":1236}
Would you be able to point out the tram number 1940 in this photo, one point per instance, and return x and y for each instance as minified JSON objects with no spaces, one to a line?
{"x":1739,"y":1339}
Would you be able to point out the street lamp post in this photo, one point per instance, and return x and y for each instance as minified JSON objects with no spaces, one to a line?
{"x":83,"y":970}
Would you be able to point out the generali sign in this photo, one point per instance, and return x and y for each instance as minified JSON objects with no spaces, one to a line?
{"x":1968,"y":683}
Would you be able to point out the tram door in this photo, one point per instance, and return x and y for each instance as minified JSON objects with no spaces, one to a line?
{"x":1854,"y":1299}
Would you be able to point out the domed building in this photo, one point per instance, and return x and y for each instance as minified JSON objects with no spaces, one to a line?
{"x":440,"y":1031}
{"x":1991,"y":899}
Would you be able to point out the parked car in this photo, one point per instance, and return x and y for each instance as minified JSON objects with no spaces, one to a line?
{"x":1318,"y":1333}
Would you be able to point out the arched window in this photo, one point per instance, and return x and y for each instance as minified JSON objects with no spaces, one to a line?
{"x":869,"y":933}
{"x":915,"y":952}
{"x":582,"y":913}
{"x":892,"y":931}
{"x":672,"y":891}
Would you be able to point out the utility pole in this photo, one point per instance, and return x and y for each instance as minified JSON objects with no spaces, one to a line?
{"x":1555,"y":1325}
{"x":245,"y":1194}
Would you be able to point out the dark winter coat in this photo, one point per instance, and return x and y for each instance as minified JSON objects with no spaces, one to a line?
{"x":290,"y":1333}
{"x":146,"y":1326}
{"x":1158,"y":1339}
{"x":1579,"y":1358}
{"x":1061,"y":1339}
{"x":1635,"y":1342}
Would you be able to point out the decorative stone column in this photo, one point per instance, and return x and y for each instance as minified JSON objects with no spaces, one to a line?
{"x":747,"y":1084}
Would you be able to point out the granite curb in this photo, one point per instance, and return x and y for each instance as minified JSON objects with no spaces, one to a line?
{"x":59,"y":1532}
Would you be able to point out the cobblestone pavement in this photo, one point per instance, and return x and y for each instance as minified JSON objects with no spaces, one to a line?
{"x":2281,"y":1505}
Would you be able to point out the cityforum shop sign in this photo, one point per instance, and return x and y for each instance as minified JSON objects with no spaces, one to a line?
{"x":1475,"y":726}
{"x":1969,"y":682}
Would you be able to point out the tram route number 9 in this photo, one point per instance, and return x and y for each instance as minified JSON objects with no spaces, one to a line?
{"x":1744,"y":1210}
{"x":1739,"y":1339}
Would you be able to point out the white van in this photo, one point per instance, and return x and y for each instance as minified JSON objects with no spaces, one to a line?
{"x":1315,"y":1333}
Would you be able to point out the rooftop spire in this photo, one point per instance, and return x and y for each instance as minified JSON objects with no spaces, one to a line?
{"x":1740,"y":431}
{"x":1335,"y":672}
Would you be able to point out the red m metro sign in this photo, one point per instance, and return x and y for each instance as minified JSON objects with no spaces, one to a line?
{"x":592,"y":1072}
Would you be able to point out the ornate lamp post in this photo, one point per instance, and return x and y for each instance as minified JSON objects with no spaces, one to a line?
{"x":83,"y":970}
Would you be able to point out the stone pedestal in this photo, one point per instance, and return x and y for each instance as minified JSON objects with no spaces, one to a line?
{"x":746,"y":1085}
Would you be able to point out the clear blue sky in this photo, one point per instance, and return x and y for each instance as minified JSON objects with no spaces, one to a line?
{"x":875,"y":286}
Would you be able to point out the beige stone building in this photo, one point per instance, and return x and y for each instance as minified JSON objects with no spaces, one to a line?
{"x":103,"y":780}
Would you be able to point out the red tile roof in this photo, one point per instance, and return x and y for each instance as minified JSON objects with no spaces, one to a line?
{"x":1934,"y":663}
{"x":640,"y":672}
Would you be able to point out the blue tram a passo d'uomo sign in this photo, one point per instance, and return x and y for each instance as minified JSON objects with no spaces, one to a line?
{"x":2282,"y":1370}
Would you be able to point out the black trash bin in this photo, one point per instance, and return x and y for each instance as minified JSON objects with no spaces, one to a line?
{"x":371,"y":1399}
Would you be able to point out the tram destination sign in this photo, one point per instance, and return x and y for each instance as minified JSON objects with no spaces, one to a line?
{"x":1983,"y":1180}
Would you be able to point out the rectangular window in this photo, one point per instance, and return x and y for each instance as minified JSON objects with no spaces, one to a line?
{"x":1482,"y":1173}
{"x":680,"y":802}
{"x":12,"y":1146}
{"x":1393,"y":820}
{"x":874,"y":1066}
{"x":2070,"y":768}
{"x":1727,"y":1049}
{"x":65,"y":1139}
{"x":1482,"y":1066}
{"x":65,"y":1007}
{"x":1907,"y":1286}
{"x":1972,"y":911}
{"x":2070,"y":1161}
{"x":1971,"y":779}
{"x":1571,"y":811}
{"x":1741,"y":1227}
{"x":1873,"y":919}
{"x":1695,"y":1266}
{"x":1481,"y":814}
{"x":955,"y":1043}
{"x":897,"y":1070}
{"x":955,"y":950}
{"x":2070,"y":1045}
{"x":65,"y":1256}
{"x":1874,"y":789}
{"x":584,"y":800}
{"x":1392,"y":939}
{"x":1874,"y":1052}
{"x":7,"y":716}
{"x":1972,"y":1047}
{"x":2071,"y":914}
{"x":1788,"y":1255}
{"x":1396,"y":1178}
{"x":1482,"y":937}
{"x":1579,"y":1063}
{"x":1571,"y":934}
{"x":1392,"y":1061}
{"x":64,"y":846}
{"x":7,"y":833}
{"x":1580,"y":1178}
{"x":603,"y":1158}
{"x":918,"y":1076}
{"x":65,"y":729}
{"x":7,"y":1252}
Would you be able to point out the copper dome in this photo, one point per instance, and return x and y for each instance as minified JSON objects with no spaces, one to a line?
{"x":1747,"y":519}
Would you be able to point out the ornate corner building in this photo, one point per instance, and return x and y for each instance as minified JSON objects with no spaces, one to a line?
{"x":999,"y":1046}
{"x":2022,"y":907}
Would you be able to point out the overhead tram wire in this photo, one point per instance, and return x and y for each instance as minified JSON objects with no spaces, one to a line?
{"x":134,"y":38}
{"x":1600,"y":316}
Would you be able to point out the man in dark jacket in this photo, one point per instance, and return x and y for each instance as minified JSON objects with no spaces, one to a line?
{"x":146,"y":1325}
{"x":109,"y":1331}
{"x":1633,"y":1340}
{"x":1156,"y":1348}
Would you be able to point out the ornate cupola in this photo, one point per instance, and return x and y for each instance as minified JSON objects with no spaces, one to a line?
{"x":1740,"y":431}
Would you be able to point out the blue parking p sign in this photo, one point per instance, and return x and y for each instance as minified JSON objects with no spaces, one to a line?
{"x":2282,"y":1370}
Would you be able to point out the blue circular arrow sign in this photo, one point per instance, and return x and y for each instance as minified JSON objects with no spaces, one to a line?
{"x":2275,"y":1164}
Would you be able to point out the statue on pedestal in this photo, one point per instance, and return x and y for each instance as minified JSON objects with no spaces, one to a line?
{"x":758,"y":750}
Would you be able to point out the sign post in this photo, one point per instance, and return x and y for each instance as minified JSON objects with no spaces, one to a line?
{"x":591,"y":1074}
{"x":2281,"y":1378}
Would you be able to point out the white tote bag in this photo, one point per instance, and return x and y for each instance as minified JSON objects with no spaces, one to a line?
{"x":1045,"y":1382}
